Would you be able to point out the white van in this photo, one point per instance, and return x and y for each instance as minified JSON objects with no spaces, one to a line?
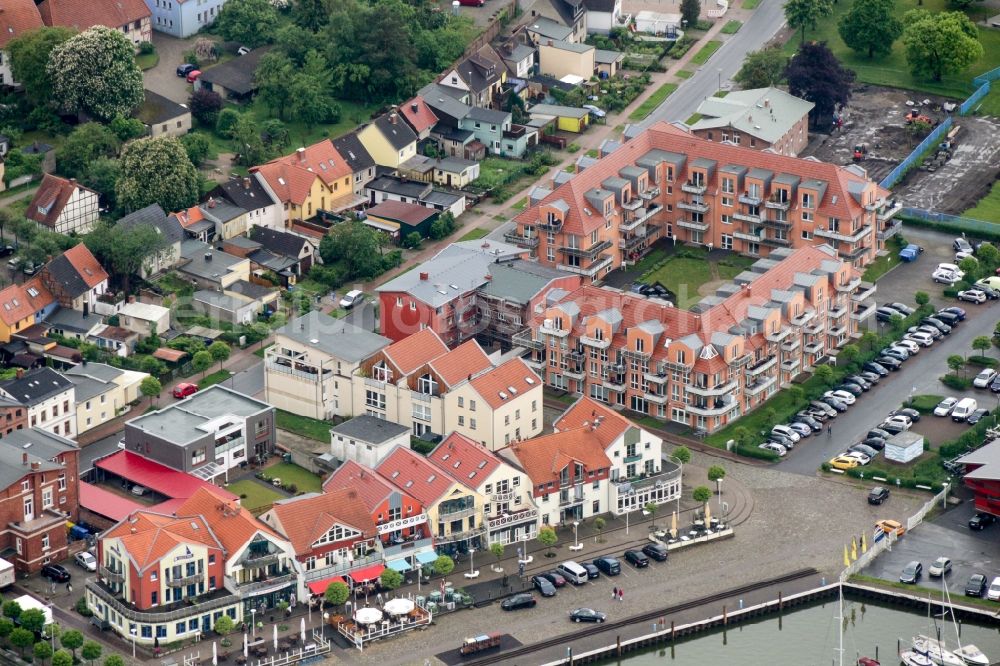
{"x":572,"y":572}
{"x":963,"y":410}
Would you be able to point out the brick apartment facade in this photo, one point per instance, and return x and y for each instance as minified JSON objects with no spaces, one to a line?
{"x":668,"y":183}
{"x":707,"y":366}
{"x":13,"y":416}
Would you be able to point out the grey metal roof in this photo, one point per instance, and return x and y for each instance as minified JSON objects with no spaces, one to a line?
{"x":614,"y":183}
{"x":251,"y":289}
{"x":704,"y":163}
{"x":518,"y":281}
{"x":38,"y":442}
{"x":369,"y":429}
{"x":722,"y":339}
{"x":334,"y":336}
{"x":569,"y":46}
{"x":518,"y":53}
{"x":653,"y":326}
{"x":221,"y":210}
{"x":237,"y":74}
{"x":186,"y":421}
{"x":766,"y":113}
{"x":398,"y":134}
{"x":68,"y":319}
{"x":101,"y":371}
{"x":12,"y":468}
{"x":36,"y":386}
{"x":87,"y":388}
{"x":168,"y":227}
{"x":606,"y":57}
{"x":247,"y":193}
{"x":737,"y":169}
{"x":631,"y":171}
{"x":558,"y":110}
{"x":611,"y":315}
{"x":223,"y":301}
{"x":488,"y":115}
{"x":195,"y":251}
{"x":787,"y":179}
{"x":444,"y":100}
{"x":761,"y":174}
{"x":550,"y":29}
{"x":414,"y":189}
{"x":441,"y":198}
{"x":351,"y":149}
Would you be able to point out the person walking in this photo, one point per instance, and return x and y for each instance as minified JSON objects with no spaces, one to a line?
{"x":621,"y":595}
{"x":614,"y":593}
{"x":829,"y":431}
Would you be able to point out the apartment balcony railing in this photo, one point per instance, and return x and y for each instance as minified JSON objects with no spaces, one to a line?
{"x":815,"y":327}
{"x":631,"y":242}
{"x":574,"y":372}
{"x":762,"y":366}
{"x":641,"y":216}
{"x":791,"y":345}
{"x":851,"y":255}
{"x":863,"y":311}
{"x":775,"y":241}
{"x":184,"y":581}
{"x":712,"y":391}
{"x":635,"y":354}
{"x":175,"y":612}
{"x":258,"y":587}
{"x":404,"y":548}
{"x":658,"y":398}
{"x":694,"y":187}
{"x":616,"y":384}
{"x":888,"y":212}
{"x":588,"y":252}
{"x":759,"y":386}
{"x":656,"y":378}
{"x":889,"y":230}
{"x":577,"y":355}
{"x":512,"y":518}
{"x":572,"y":498}
{"x":717,"y":408}
{"x":778,"y":203}
{"x":838,"y":332}
{"x":750,"y":199}
{"x":854,"y":237}
{"x":614,"y":368}
{"x":520,"y":239}
{"x":590,"y":271}
{"x":632,"y":204}
{"x":783,"y":225}
{"x":864,"y":291}
{"x":742,"y":235}
{"x":691,"y":224}
{"x":837,"y":312}
{"x":464,"y":535}
{"x":342,"y":567}
{"x":455,"y":514}
{"x":252,"y":559}
{"x":779,"y":335}
{"x":594,"y":342}
{"x":223,"y":447}
{"x":814,"y":348}
{"x":695,"y":206}
{"x":747,"y":217}
{"x":546,"y":225}
{"x":526,"y":338}
{"x":742,"y":360}
{"x":650,"y":193}
{"x":849,"y":286}
{"x":678,"y":367}
{"x":537,"y":364}
{"x":112,"y":576}
{"x":312,"y":377}
{"x":791,"y":365}
{"x":804,"y":318}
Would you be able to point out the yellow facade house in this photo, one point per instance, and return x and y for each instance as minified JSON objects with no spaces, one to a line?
{"x":389,"y":140}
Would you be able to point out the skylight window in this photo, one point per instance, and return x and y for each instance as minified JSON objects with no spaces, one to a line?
{"x":503,"y":396}
{"x":529,"y":380}
{"x":430,"y":479}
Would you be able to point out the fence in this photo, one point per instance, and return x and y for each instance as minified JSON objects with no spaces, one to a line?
{"x":967,"y":105}
{"x":918,"y":517}
{"x":954,"y":223}
{"x":934,"y":137}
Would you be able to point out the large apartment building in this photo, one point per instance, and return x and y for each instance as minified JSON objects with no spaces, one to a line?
{"x":706,"y":366}
{"x":668,"y":183}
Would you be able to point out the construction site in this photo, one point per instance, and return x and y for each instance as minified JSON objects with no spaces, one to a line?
{"x":881,"y":126}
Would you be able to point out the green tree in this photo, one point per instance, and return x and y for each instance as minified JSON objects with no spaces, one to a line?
{"x":42,"y":651}
{"x":197,"y":147}
{"x":157,"y":170}
{"x":871,"y":27}
{"x":802,"y":14}
{"x":62,"y":658}
{"x":252,"y":23}
{"x":117,"y":659}
{"x":29,"y":58}
{"x":91,"y":651}
{"x":824,"y":373}
{"x":311,"y":86}
{"x":6,"y":626}
{"x":274,"y":134}
{"x":226,"y":122}
{"x":548,"y":538}
{"x":814,"y":74}
{"x":336,"y":593}
{"x":599,"y":525}
{"x":969,"y":265}
{"x":683,"y":454}
{"x":72,"y":640}
{"x":497,"y":549}
{"x":206,"y":104}
{"x":83,"y":145}
{"x":220,"y":352}
{"x":12,"y":609}
{"x":23,"y":639}
{"x":849,"y":354}
{"x":989,"y":255}
{"x":357,"y":246}
{"x":770,"y":418}
{"x":651,"y":508}
{"x":151,"y":388}
{"x":869,"y":339}
{"x":762,"y":69}
{"x":101,"y":176}
{"x":311,"y":14}
{"x":390,"y":579}
{"x":443,"y":565}
{"x":201,"y":362}
{"x":690,"y":12}
{"x":274,"y":77}
{"x":921,"y":298}
{"x":95,"y":73}
{"x":939,"y":43}
{"x":981,"y":343}
{"x":412,"y":240}
{"x":956,"y":363}
{"x":126,"y":251}
{"x":127,"y":129}
{"x":701,"y":494}
{"x":33,"y":619}
{"x":247,"y":141}
{"x":742,"y":436}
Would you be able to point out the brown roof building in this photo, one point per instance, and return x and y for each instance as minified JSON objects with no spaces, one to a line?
{"x":63,"y":205}
{"x":16,"y":18}
{"x":132,"y":17}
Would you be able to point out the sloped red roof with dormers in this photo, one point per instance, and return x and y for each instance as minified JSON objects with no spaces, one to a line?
{"x":543,"y":458}
{"x":16,"y":18}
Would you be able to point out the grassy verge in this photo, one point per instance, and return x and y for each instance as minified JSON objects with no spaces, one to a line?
{"x":693,"y":118}
{"x":593,"y":152}
{"x":147,"y":61}
{"x":684,"y":74}
{"x":706,"y":52}
{"x":920,"y":590}
{"x":290,"y":473}
{"x":988,"y":208}
{"x":684,"y":273}
{"x":216,"y":377}
{"x":884,"y":264}
{"x":653,"y":101}
{"x":260,"y":352}
{"x":924,"y":471}
{"x":254,"y":497}
{"x":750,"y":4}
{"x":304,"y":426}
{"x":731,"y":27}
{"x":566,"y":398}
{"x":924,"y":404}
{"x":474,"y":234}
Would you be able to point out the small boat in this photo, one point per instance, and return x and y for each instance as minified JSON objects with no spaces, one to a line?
{"x":936,"y":651}
{"x":867,"y":661}
{"x":972,"y":656}
{"x":915,"y":658}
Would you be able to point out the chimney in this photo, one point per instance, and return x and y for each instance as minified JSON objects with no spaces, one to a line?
{"x":35,"y":466}
{"x":424,"y":277}
{"x":550,"y":42}
{"x":301,"y":152}
{"x":211,"y":202}
{"x":131,"y":299}
{"x":72,"y":181}
{"x":414,"y":107}
{"x":24,"y":458}
{"x":86,"y":309}
{"x":20,"y":373}
{"x":246,"y":183}
{"x":208,"y":256}
{"x":392,"y":117}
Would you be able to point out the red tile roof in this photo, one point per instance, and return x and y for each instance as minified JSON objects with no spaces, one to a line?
{"x":289,"y":184}
{"x":86,"y":265}
{"x":291,"y":176}
{"x":16,"y":18}
{"x":544,"y":457}
{"x":585,"y":412}
{"x":233,"y":525}
{"x":412,"y":473}
{"x":304,"y":520}
{"x":418,"y":114}
{"x":412,"y":214}
{"x":836,"y":202}
{"x":514,"y":373}
{"x":83,"y":15}
{"x":462,"y":362}
{"x":189,"y":216}
{"x":50,"y":199}
{"x":158,"y":478}
{"x":372,"y":489}
{"x":106,"y":503}
{"x":38,"y":294}
{"x":465,"y":459}
{"x":148,"y":536}
{"x":415,"y":350}
{"x":14,"y":305}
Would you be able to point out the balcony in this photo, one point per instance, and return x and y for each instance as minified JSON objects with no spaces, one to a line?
{"x":694,"y":206}
{"x":750,"y":199}
{"x":591,"y":271}
{"x":863,"y":311}
{"x":655,"y":378}
{"x":464,"y":535}
{"x":223,"y":447}
{"x":888,"y":212}
{"x":614,"y":368}
{"x":713,"y":408}
{"x":273,"y":365}
{"x":783,"y":225}
{"x":112,"y":576}
{"x":747,"y":217}
{"x":775,"y":241}
{"x":742,"y":360}
{"x":791,"y":365}
{"x":456,"y":514}
{"x":167,"y":613}
{"x":864,"y":291}
{"x":718,"y":389}
{"x":512,"y":518}
{"x":857,"y":252}
{"x":612,"y":383}
{"x":837,"y":312}
{"x":552,"y":225}
{"x":574,"y":372}
{"x":791,"y":345}
{"x":631,"y":242}
{"x":694,"y":187}
{"x":632,"y":204}
{"x":636,"y":355}
{"x":658,"y":398}
{"x":639,"y":217}
{"x":777,"y":203}
{"x":587,"y":253}
{"x":260,"y":560}
{"x":521,"y":240}
{"x":750,"y":238}
{"x":779,"y":335}
{"x":850,"y":285}
{"x":759,"y":386}
{"x":594,"y":342}
{"x":678,"y":367}
{"x":804,"y":318}
{"x":406,"y":548}
{"x":889,"y":230}
{"x":815,"y":328}
{"x":691,"y":224}
{"x":762,"y":366}
{"x":260,"y":587}
{"x":650,"y":193}
{"x":398,"y":524}
{"x":572,"y":498}
{"x":346,"y":565}
{"x":837,"y":332}
{"x":814,"y":348}
{"x":184,"y":581}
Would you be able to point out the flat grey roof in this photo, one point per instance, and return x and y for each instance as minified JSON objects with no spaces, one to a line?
{"x":185,"y":421}
{"x":369,"y":429}
{"x":334,"y":336}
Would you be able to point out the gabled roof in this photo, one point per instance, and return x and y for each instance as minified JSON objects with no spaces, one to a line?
{"x":36,"y":386}
{"x":495,"y":384}
{"x":463,"y":362}
{"x":398,"y":133}
{"x":420,"y":116}
{"x":336,"y":337}
{"x":351,"y":149}
{"x":305,"y":520}
{"x":290,"y":184}
{"x":369,"y":429}
{"x":549,"y":28}
{"x":465,"y":459}
{"x":411,"y":472}
{"x":16,"y":18}
{"x":322,"y":159}
{"x":233,"y":525}
{"x":279,"y":242}
{"x":416,"y":350}
{"x":168,"y":226}
{"x":412,"y":214}
{"x":156,"y":109}
{"x":76,"y":271}
{"x":246,"y":192}
{"x":82,"y":15}
{"x":372,"y":489}
{"x":480,"y":70}
{"x":51,"y":198}
{"x":767,"y":113}
{"x":542,"y":458}
{"x":38,"y":294}
{"x":14,"y":305}
{"x":148,"y":536}
{"x":237,"y":75}
{"x":606,"y":424}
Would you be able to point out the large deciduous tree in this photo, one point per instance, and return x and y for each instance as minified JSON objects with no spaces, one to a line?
{"x":252,"y":23}
{"x":814,"y":74}
{"x":29,"y":59}
{"x":357,"y":246}
{"x":940,"y":43}
{"x":84,"y":145}
{"x":871,"y":27}
{"x":802,"y":14}
{"x":690,"y":12}
{"x":156,"y":170}
{"x":95,"y":73}
{"x":125,"y":251}
{"x":762,"y":69}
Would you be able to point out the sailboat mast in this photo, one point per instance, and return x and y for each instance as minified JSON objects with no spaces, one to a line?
{"x":840,"y":621}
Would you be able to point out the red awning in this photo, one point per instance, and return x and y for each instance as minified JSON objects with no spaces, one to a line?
{"x":319,"y":586}
{"x":106,"y":503}
{"x":159,"y":478}
{"x":367,"y":573}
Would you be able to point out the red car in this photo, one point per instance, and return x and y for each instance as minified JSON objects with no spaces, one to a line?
{"x":185,"y":389}
{"x":193,"y":75}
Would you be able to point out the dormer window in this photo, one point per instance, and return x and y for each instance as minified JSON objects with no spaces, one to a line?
{"x":808,"y":200}
{"x":640,"y":344}
{"x":598,"y":334}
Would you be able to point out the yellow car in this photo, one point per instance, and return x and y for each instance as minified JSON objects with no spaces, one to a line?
{"x":890,"y":526}
{"x":844,"y":462}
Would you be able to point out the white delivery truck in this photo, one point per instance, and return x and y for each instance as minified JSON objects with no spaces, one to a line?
{"x":6,"y":574}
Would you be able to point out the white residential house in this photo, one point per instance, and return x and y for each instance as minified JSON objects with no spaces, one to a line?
{"x":367,"y":440}
{"x":49,"y":398}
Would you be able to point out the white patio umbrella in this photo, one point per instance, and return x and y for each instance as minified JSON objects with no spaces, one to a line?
{"x":302,"y":630}
{"x":275,"y":637}
{"x":246,"y":646}
{"x":215,"y":654}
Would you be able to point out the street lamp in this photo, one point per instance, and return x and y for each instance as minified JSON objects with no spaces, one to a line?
{"x":253,"y":623}
{"x":720,"y":80}
{"x":472,"y":567}
{"x":576,"y":541}
{"x":133,"y":631}
{"x":326,"y":620}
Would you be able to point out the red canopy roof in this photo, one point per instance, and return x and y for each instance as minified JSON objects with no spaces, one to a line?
{"x":158,"y":478}
{"x":106,"y":503}
{"x":319,"y":586}
{"x":366,"y":574}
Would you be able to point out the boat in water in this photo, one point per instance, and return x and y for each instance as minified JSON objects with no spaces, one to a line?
{"x":972,"y":656}
{"x":935,"y":649}
{"x":915,"y":658}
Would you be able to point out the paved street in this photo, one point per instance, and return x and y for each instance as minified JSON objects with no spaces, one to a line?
{"x":99,"y":449}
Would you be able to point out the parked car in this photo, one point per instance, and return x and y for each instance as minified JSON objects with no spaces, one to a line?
{"x":877,"y":443}
{"x":863,"y":448}
{"x":518,"y":601}
{"x":995,"y":384}
{"x":835,"y":403}
{"x":56,"y":573}
{"x":877,"y":368}
{"x":781,"y":439}
{"x":898,"y":353}
{"x":609,"y":566}
{"x":823,"y":407}
{"x":936,"y":323}
{"x":872,"y":377}
{"x":352,"y":298}
{"x":544,"y":586}
{"x":901,"y":307}
{"x":849,"y":387}
{"x":184,"y":389}
{"x":897,"y":421}
{"x":592,"y":571}
{"x":932,"y":331}
{"x":7,"y":250}
{"x":877,"y":432}
{"x":991,"y":293}
{"x":858,"y":380}
{"x":961,"y":245}
{"x":909,"y":345}
{"x":943,"y":276}
{"x":949,"y":318}
{"x":816,"y":415}
{"x":193,"y":75}
{"x":636,"y":558}
{"x":86,"y":561}
{"x":878,"y":494}
{"x":971,"y":296}
{"x":911,"y":573}
{"x":844,"y":462}
{"x":786,"y":432}
{"x":964,"y":409}
{"x":775,"y":447}
{"x":554,"y":577}
{"x":809,"y":421}
{"x":845,"y":397}
{"x":993,"y":594}
{"x":887,"y":314}
{"x":922,"y":338}
{"x":976,"y":586}
{"x":977,"y":416}
{"x":587,"y":615}
{"x":955,"y":310}
{"x":656,"y":550}
{"x":984,"y":378}
{"x":909,"y":412}
{"x":945,"y":407}
{"x":993,"y":282}
{"x":939,"y":567}
{"x":857,"y":455}
{"x":944,"y":266}
{"x":595,"y":111}
{"x":802,"y":429}
{"x":185,"y":69}
{"x":890,"y":362}
{"x":981,"y":521}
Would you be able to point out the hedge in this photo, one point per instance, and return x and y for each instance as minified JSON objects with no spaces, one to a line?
{"x":957,"y":383}
{"x":754,"y":452}
{"x":924,"y":404}
{"x":984,"y":361}
{"x":950,"y":228}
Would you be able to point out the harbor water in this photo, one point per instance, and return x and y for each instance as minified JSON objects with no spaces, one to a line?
{"x":808,"y":636}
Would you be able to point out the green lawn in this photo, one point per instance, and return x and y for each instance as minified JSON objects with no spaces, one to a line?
{"x":684,"y":74}
{"x":147,"y":61}
{"x":289,"y":473}
{"x":750,"y":4}
{"x":988,"y":208}
{"x":893,"y":70}
{"x":304,"y":426}
{"x":920,"y":590}
{"x":990,"y":105}
{"x":706,"y":52}
{"x":593,"y":152}
{"x":653,"y":101}
{"x":214,"y":378}
{"x":732,"y":27}
{"x":474,"y":234}
{"x":260,"y":352}
{"x":693,"y":118}
{"x":883,"y":265}
{"x":684,"y":275}
{"x":254,"y":497}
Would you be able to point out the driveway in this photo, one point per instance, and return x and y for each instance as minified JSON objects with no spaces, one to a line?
{"x":163,"y":77}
